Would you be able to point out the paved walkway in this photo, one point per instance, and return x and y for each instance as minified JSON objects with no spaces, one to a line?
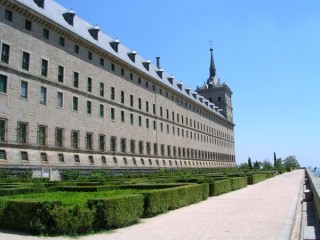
{"x":261,"y":211}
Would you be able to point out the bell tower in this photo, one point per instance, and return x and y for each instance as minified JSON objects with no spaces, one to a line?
{"x":216,"y":92}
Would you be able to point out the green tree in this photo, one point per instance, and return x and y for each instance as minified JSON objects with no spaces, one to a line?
{"x":249,"y":163}
{"x":274,"y":159}
{"x":257,"y":165}
{"x":266,"y":164}
{"x":244,"y":166}
{"x":291,"y":162}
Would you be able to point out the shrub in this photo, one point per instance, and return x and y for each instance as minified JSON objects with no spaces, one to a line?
{"x":70,"y":174}
{"x":5,"y":173}
{"x":24,"y":190}
{"x":116,"y":212}
{"x":163,"y":200}
{"x":253,"y":179}
{"x":77,"y":220}
{"x":29,"y":216}
{"x":219,"y":187}
{"x":25,"y":174}
{"x":238,"y":182}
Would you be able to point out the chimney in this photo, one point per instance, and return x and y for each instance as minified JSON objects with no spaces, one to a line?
{"x":158,"y":62}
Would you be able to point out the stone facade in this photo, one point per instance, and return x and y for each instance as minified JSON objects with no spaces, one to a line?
{"x":70,"y":100}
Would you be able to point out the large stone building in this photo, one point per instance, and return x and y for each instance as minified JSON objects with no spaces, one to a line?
{"x":73,"y":97}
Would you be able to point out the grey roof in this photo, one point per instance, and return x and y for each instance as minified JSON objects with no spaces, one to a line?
{"x":54,"y":12}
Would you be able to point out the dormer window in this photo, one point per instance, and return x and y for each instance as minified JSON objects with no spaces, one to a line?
{"x":94,"y":32}
{"x":40,"y":3}
{"x":180,"y":85}
{"x":170,"y":79}
{"x":194,"y":95}
{"x":146,"y":64}
{"x":159,"y":72}
{"x":114,"y":44}
{"x":69,"y":16}
{"x":132,"y":56}
{"x":188,"y":90}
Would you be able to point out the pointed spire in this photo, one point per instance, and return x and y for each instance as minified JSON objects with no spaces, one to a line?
{"x":212,"y":66}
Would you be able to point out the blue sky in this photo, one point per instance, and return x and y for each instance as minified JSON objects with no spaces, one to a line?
{"x":267,"y":51}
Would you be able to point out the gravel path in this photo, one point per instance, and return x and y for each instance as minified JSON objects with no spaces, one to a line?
{"x":261,"y":211}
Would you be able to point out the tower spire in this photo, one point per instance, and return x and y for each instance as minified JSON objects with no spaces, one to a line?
{"x":212,"y":68}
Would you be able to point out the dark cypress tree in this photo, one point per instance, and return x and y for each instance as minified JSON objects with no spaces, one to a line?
{"x":274,"y":159}
{"x":250,"y":163}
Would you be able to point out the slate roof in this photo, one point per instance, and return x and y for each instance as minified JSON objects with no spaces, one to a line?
{"x":54,"y":12}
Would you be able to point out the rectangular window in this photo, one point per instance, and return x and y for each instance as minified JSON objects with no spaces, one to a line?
{"x":140,"y":121}
{"x":132,"y":146}
{"x":112,"y":113}
{"x":3,"y":155}
{"x":59,"y":137}
{"x":161,"y":127}
{"x":139,"y":80}
{"x":113,"y":144}
{"x":43,"y":95}
{"x":77,"y":158}
{"x":154,"y":109}
{"x":75,"y":139}
{"x":89,"y":141}
{"x":147,"y":84}
{"x":5,"y":52}
{"x":131,"y":118}
{"x":147,"y":122}
{"x":147,"y":106}
{"x":101,"y":89}
{"x":113,"y":93}
{"x":155,"y":149}
{"x":162,"y":150}
{"x":61,"y":42}
{"x":169,"y":150}
{"x":25,"y":61}
{"x":59,"y":99}
{"x":139,"y":103}
{"x":42,"y":135}
{"x":22,"y":132}
{"x":102,"y":143}
{"x":101,"y":110}
{"x":28,"y":25}
{"x":161,"y":112}
{"x":123,"y":145}
{"x":76,"y":79}
{"x":60,"y":157}
{"x":8,"y":15}
{"x":122,"y":116}
{"x":89,"y":107}
{"x":60,"y":74}
{"x":44,"y":67}
{"x":24,"y":89}
{"x":3,"y":126}
{"x":131,"y":76}
{"x":112,"y":67}
{"x":76,"y":49}
{"x":45,"y":33}
{"x":101,"y":61}
{"x":122,"y":97}
{"x":148,"y":148}
{"x":140,"y":147}
{"x":3,"y":84}
{"x":131,"y":100}
{"x":154,"y":125}
{"x":122,"y":71}
{"x":89,"y":84}
{"x":24,"y":156}
{"x":75,"y":103}
{"x":90,"y":55}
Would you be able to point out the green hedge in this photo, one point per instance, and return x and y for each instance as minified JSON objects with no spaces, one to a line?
{"x":238,"y":182}
{"x":15,"y":191}
{"x":29,"y":216}
{"x":160,"y":201}
{"x":253,"y":179}
{"x":219,"y":187}
{"x":116,"y":212}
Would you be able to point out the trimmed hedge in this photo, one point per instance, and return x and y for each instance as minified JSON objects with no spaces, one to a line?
{"x":116,"y":212}
{"x":16,"y":191}
{"x":160,"y":201}
{"x":30,"y":216}
{"x":219,"y":187}
{"x":253,"y":179}
{"x":238,"y":182}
